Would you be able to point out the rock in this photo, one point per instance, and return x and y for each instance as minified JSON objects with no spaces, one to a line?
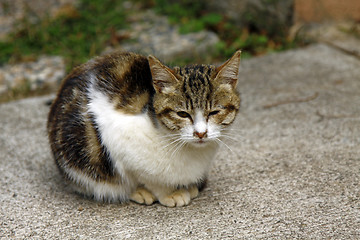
{"x":272,"y":16}
{"x":342,"y":35}
{"x":153,"y":34}
{"x":47,"y":71}
{"x":12,"y":11}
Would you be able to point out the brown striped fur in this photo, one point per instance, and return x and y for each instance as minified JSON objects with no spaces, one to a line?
{"x":134,"y":84}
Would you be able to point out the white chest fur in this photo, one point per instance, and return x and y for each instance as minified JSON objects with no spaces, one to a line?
{"x":140,"y":149}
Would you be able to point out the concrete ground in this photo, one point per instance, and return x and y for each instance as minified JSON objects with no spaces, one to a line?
{"x":293,"y":173}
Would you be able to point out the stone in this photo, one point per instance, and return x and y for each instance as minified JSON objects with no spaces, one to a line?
{"x":274,"y":17}
{"x":13,"y":11}
{"x":342,"y":35}
{"x":153,"y":34}
{"x":47,"y":71}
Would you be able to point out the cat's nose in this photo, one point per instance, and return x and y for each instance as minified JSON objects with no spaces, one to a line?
{"x":200,"y":134}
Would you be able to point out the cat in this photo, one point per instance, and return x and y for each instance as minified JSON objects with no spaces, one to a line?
{"x":127,"y":127}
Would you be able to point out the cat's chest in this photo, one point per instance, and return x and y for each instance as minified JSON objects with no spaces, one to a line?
{"x":135,"y":143}
{"x":118,"y":127}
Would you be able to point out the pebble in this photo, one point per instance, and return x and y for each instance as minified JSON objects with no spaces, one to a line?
{"x":149,"y":33}
{"x":46,"y":71}
{"x":12,"y":12}
{"x":153,"y":34}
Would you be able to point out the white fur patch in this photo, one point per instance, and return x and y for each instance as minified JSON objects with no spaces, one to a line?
{"x":213,"y":130}
{"x":200,"y":124}
{"x":99,"y":190}
{"x":139,"y":149}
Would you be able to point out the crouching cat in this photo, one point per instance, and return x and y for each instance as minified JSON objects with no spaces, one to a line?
{"x":127,"y":127}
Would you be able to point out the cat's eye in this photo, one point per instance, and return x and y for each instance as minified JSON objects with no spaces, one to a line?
{"x":183,"y":114}
{"x":213,"y":113}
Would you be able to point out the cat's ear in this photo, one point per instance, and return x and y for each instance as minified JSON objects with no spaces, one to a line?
{"x":228,"y":72}
{"x":164,"y":80}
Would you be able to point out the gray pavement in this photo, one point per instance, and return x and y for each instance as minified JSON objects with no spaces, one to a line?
{"x":293,"y":173}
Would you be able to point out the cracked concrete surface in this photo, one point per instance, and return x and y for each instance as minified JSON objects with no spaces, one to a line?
{"x":292,"y":173}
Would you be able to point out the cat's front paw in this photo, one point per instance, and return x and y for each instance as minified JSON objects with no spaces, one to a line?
{"x":194,"y":192}
{"x":178,"y":198}
{"x":142,"y":196}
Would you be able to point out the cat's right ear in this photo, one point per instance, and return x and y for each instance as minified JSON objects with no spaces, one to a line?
{"x":227,"y":73}
{"x":164,"y":80}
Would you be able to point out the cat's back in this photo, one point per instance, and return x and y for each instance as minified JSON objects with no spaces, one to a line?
{"x":121,"y":76}
{"x":124,"y":81}
{"x":118,"y":73}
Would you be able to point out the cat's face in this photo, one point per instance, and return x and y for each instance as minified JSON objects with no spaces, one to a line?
{"x":196,"y":103}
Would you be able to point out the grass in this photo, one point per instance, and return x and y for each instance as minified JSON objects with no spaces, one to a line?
{"x":77,"y":34}
{"x":24,"y":90}
{"x":81,"y":32}
{"x":253,"y":41}
{"x":351,"y":29}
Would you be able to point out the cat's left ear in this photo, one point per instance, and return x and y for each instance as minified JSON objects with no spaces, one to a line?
{"x":228,"y":72}
{"x":164,"y":80}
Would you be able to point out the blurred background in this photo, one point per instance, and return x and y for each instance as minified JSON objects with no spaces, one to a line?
{"x":42,"y":40}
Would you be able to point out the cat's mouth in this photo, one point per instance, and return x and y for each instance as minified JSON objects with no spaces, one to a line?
{"x":200,"y":142}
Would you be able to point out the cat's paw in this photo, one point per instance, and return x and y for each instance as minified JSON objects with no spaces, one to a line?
{"x":178,"y":198}
{"x":142,"y":196}
{"x":194,"y":192}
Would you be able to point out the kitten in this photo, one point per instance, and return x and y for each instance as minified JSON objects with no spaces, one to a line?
{"x":126,"y":127}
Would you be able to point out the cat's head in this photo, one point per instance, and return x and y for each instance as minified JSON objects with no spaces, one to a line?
{"x":196,"y":102}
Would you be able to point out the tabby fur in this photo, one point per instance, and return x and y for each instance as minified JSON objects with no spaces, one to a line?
{"x":127,"y":127}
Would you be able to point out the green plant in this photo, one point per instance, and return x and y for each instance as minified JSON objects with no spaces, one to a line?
{"x":77,"y":33}
{"x":205,"y":21}
{"x":188,"y":14}
{"x":192,"y":17}
{"x":23,"y":90}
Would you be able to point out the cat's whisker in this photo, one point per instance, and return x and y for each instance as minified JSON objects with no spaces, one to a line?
{"x":176,"y":141}
{"x":167,"y":140}
{"x":232,"y":128}
{"x":234,"y":138}
{"x":177,"y":145}
{"x":220,"y":141}
{"x":234,"y":135}
{"x":230,"y":138}
{"x":234,"y":132}
{"x":177,"y":149}
{"x":170,"y":135}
